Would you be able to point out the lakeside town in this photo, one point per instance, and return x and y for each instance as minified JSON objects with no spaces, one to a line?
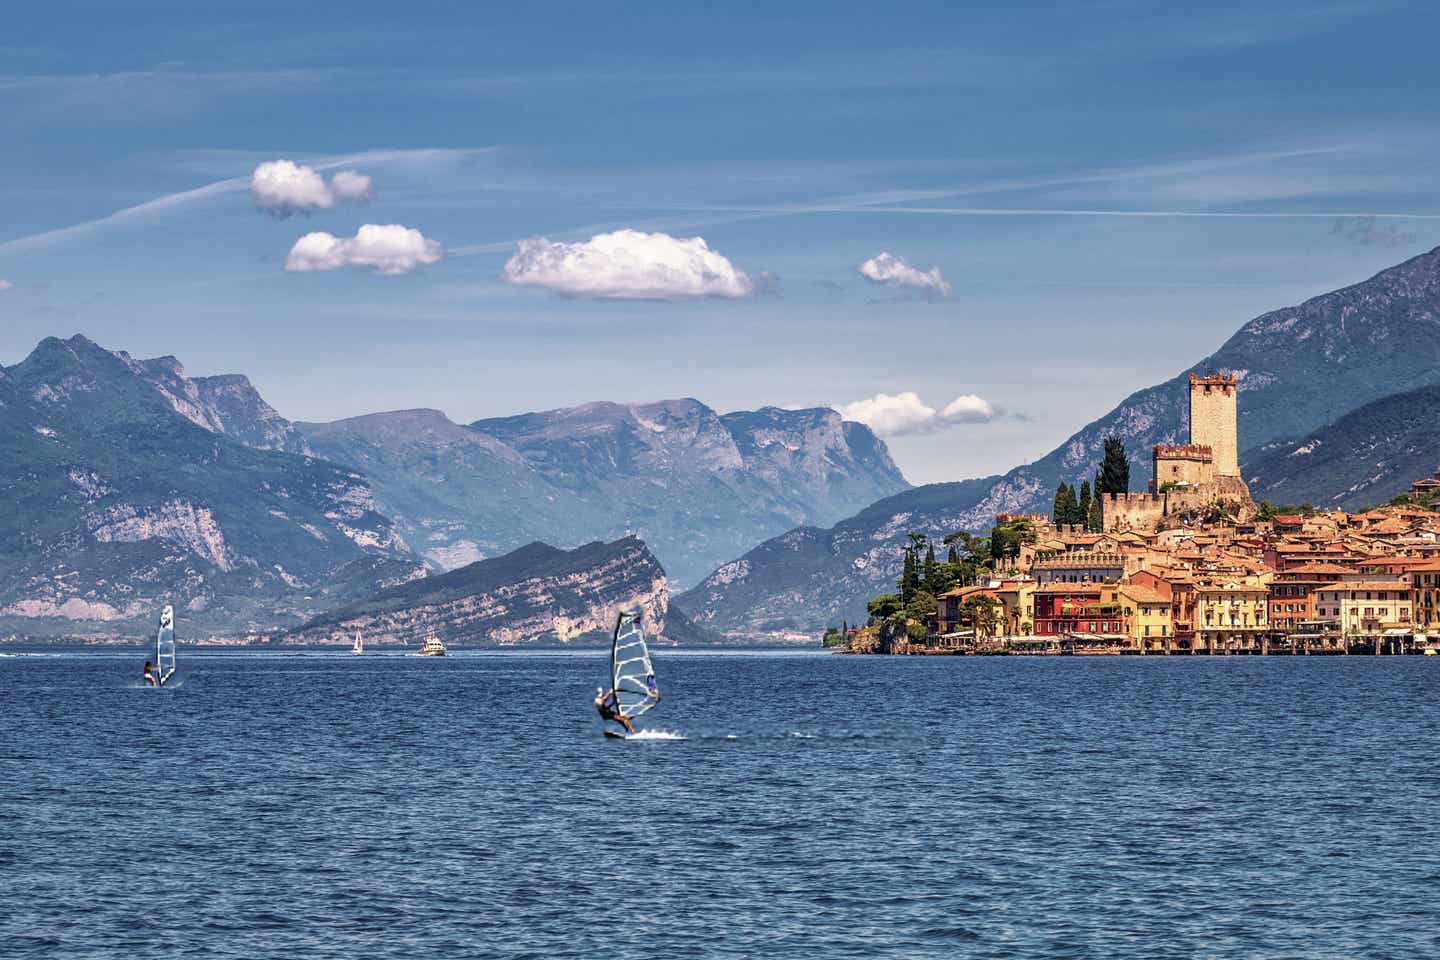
{"x":1191,"y":567}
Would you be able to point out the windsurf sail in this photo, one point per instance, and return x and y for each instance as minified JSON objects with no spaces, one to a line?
{"x":631,"y":675}
{"x":165,"y":646}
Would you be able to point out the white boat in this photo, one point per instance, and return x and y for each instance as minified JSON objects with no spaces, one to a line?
{"x":359,"y":646}
{"x":432,"y":647}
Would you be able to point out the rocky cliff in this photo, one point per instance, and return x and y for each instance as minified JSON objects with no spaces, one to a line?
{"x":126,"y":492}
{"x":1298,"y":368}
{"x":537,"y":594}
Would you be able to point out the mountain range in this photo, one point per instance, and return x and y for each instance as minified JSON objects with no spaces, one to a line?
{"x":1299,"y":369}
{"x":697,"y":486}
{"x":128,"y":492}
{"x":1362,"y":459}
{"x":137,"y":484}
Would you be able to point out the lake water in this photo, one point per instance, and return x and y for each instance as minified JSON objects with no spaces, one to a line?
{"x":337,"y":806}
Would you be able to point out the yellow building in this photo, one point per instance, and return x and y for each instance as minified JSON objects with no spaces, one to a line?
{"x":1232,"y":615}
{"x":1366,"y":607}
{"x":1017,"y":597}
{"x":1146,"y":611}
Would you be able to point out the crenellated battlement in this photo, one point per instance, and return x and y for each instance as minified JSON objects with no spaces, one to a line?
{"x":1223,"y":382}
{"x":1129,"y":499}
{"x":1184,"y":451}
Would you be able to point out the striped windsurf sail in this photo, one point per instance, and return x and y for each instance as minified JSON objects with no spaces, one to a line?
{"x":165,"y":645}
{"x":631,"y":675}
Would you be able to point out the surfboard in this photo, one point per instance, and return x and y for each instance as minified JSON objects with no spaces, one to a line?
{"x":617,"y":734}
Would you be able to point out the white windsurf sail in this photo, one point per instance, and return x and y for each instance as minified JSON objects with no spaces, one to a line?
{"x":631,"y":675}
{"x":359,"y":646}
{"x":165,"y":646}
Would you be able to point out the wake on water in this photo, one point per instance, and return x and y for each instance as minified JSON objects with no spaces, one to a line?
{"x":656,"y":735}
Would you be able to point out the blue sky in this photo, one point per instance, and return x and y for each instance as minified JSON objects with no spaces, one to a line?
{"x":1108,"y":191}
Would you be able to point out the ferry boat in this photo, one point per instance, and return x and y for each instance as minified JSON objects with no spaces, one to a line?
{"x":432,"y":647}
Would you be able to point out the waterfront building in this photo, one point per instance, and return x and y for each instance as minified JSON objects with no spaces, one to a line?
{"x":1146,"y":609}
{"x":1066,"y":609}
{"x":1233,"y":615}
{"x":1292,"y":592}
{"x":1367,"y":607}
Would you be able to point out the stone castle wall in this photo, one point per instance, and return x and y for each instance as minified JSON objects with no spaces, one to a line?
{"x":1191,"y":464}
{"x":1142,"y":512}
{"x":1213,"y":421}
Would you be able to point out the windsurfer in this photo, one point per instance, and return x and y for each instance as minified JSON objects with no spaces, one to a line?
{"x":608,"y":706}
{"x":149,"y":674}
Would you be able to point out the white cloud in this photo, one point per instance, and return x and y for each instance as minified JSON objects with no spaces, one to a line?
{"x":282,"y":188}
{"x":5,"y":284}
{"x":968,"y":408}
{"x":352,"y":185}
{"x":387,"y":249}
{"x":894,"y":415}
{"x":895,"y":272}
{"x":628,"y":265}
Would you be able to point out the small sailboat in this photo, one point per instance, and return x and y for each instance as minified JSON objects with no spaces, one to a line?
{"x":632,"y":678}
{"x":359,"y":645}
{"x":165,"y":646}
{"x":432,"y":647}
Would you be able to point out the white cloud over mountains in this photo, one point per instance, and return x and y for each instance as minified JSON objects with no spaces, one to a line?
{"x":282,"y":188}
{"x":895,"y":415}
{"x":628,"y":265}
{"x":896,"y":272}
{"x":386,"y":249}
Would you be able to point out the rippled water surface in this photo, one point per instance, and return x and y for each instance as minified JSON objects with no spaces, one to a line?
{"x":378,"y":806}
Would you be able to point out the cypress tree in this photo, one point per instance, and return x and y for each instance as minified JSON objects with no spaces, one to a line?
{"x":1083,"y":509}
{"x":1115,"y":468}
{"x":907,"y":576}
{"x":954,"y":556}
{"x":1059,"y":513}
{"x":1095,"y":521}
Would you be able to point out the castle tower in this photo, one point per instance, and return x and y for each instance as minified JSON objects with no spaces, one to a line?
{"x":1213,"y":420}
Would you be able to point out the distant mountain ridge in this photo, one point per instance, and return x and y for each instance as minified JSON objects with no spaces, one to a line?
{"x":1298,"y":368}
{"x":697,"y":486}
{"x":207,"y":487}
{"x":126,"y":495}
{"x":1364,"y":458}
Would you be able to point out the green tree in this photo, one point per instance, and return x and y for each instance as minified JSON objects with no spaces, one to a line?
{"x":1115,"y":467}
{"x":1066,"y":505}
{"x":884,"y":606}
{"x":1083,"y":506}
{"x":930,"y":572}
{"x":1095,"y":520}
{"x":980,"y":613}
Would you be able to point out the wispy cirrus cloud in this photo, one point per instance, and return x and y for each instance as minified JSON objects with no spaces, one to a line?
{"x":1365,"y":232}
{"x":219,"y":188}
